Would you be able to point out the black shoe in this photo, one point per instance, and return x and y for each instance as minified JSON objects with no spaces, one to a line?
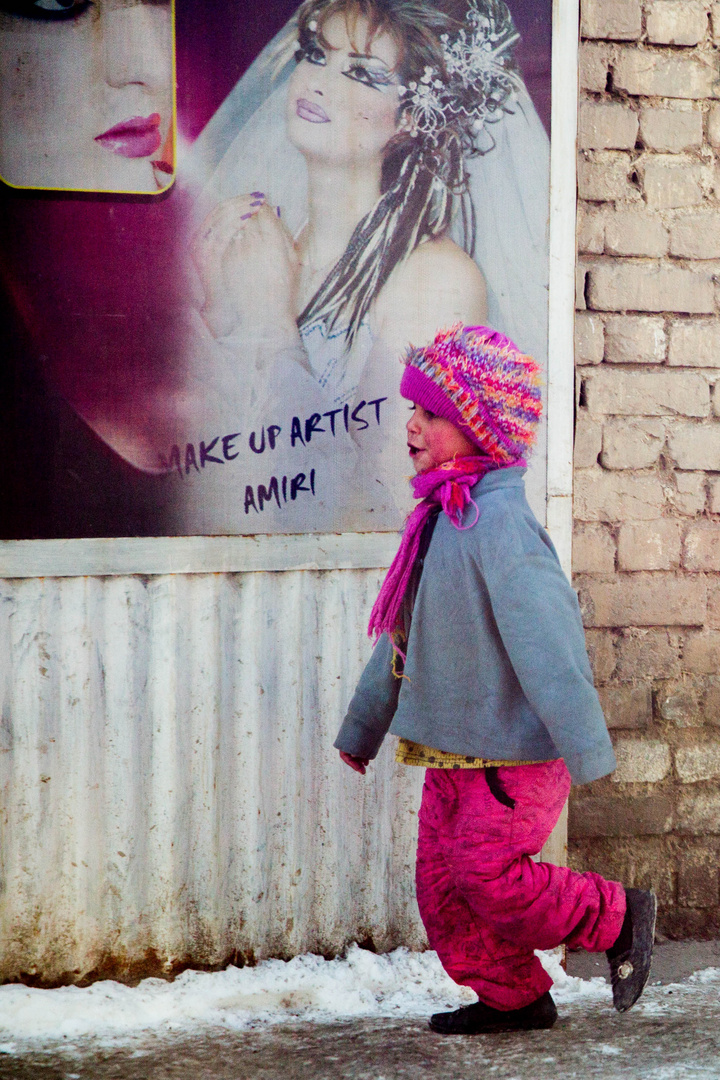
{"x":480,"y":1019}
{"x":631,"y":955}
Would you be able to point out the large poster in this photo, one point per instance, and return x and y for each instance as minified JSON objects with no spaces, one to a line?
{"x":206,"y":305}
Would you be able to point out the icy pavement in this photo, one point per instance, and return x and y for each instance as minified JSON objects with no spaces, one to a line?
{"x":361,"y":1018}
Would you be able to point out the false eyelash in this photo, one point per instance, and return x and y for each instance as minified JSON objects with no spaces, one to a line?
{"x":29,"y":9}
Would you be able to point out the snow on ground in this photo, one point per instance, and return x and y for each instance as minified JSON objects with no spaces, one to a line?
{"x":310,"y":988}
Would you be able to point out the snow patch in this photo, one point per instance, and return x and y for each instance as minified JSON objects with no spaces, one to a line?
{"x":569,"y":988}
{"x":308,"y":988}
{"x":709,"y":975}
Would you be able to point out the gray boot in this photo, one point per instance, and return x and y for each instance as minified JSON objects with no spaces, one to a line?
{"x":631,"y":955}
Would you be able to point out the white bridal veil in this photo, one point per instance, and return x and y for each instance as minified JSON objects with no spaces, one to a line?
{"x":244,"y":148}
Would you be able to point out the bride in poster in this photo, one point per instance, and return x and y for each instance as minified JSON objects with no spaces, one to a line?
{"x":395,"y":182}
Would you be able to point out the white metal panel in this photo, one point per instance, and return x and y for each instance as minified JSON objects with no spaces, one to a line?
{"x":561,"y":300}
{"x":170,"y":792}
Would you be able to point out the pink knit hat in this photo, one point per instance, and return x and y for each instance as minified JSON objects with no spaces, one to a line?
{"x":480,"y":381}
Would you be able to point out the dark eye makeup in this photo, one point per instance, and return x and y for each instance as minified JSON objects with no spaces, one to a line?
{"x":310,"y":49}
{"x":312,"y":52}
{"x":54,"y":10}
{"x":377,"y":80}
{"x":46,"y":10}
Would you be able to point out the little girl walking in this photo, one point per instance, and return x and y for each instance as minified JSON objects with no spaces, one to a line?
{"x":481,"y":670}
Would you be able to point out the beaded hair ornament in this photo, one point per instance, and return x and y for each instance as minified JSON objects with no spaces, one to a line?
{"x":480,"y":80}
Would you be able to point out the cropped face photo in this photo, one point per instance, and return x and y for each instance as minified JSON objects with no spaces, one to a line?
{"x":86,"y":95}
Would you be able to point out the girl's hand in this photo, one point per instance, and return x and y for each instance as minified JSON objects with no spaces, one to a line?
{"x":249,"y":270}
{"x":359,"y":764}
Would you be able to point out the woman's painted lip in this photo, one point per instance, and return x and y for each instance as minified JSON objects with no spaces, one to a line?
{"x":308,"y":110}
{"x":138,"y":136}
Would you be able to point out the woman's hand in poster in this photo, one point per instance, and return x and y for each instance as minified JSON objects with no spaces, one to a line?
{"x":249,"y":271}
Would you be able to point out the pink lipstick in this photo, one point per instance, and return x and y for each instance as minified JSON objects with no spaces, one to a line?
{"x":138,"y":136}
{"x":308,"y":110}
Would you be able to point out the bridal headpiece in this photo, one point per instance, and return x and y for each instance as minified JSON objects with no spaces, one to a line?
{"x":479,"y":81}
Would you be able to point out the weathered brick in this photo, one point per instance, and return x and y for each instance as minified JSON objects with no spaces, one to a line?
{"x":607,"y":126}
{"x":715,"y":19}
{"x":664,"y":74}
{"x":701,"y":654}
{"x":641,"y":864}
{"x":593,"y":550}
{"x":640,"y":393}
{"x":698,"y":880}
{"x":670,"y":183}
{"x":695,"y":446}
{"x":644,"y":599}
{"x":632,"y":444}
{"x":716,"y":399}
{"x":713,"y":125}
{"x":696,"y":236}
{"x":647,"y":653}
{"x":702,"y":546}
{"x":695,"y":343}
{"x":695,"y":763}
{"x":581,"y":271}
{"x":598,"y":816}
{"x":676,"y":22}
{"x":588,"y":440}
{"x":616,"y":20}
{"x":634,"y":339}
{"x":635,"y":232}
{"x":589,"y":339}
{"x":679,"y":704}
{"x":626,"y":706}
{"x":711,"y":701}
{"x":698,"y":813}
{"x":689,"y":498}
{"x":601,"y":653}
{"x":671,"y":131}
{"x":590,"y":233}
{"x":650,"y":287}
{"x":652,"y":545}
{"x":641,"y":761}
{"x":616,"y":496}
{"x":714,"y":486}
{"x":605,"y":175}
{"x":713,"y":604}
{"x":595,"y":58}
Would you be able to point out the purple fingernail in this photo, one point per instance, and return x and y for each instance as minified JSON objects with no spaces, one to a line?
{"x":244,"y":217}
{"x":278,"y":212}
{"x":257,"y":194}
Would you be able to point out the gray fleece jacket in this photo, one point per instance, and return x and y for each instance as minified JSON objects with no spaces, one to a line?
{"x":496,"y":661}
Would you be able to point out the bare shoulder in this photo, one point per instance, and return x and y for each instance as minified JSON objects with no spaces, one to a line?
{"x":438,"y":285}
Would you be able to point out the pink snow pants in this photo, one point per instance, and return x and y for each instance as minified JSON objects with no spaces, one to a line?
{"x":484,"y":902}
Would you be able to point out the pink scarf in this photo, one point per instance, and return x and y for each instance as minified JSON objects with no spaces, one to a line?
{"x":449,"y":486}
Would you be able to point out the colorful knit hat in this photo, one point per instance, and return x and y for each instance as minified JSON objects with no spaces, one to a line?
{"x":476,"y":378}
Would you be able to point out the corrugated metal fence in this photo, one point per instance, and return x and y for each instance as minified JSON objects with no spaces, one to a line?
{"x":169,"y":790}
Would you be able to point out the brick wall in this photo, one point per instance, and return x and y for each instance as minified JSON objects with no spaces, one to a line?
{"x":647,"y":455}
